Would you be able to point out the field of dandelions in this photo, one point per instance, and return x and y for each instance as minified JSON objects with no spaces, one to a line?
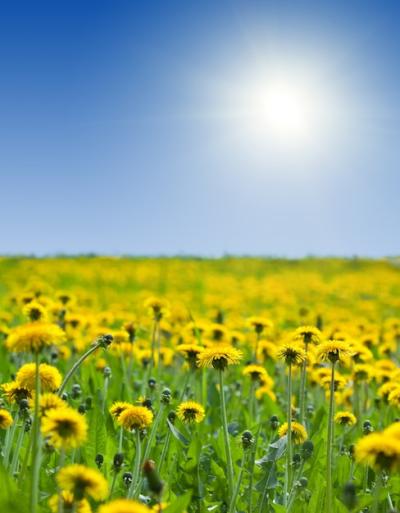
{"x":194,"y":386}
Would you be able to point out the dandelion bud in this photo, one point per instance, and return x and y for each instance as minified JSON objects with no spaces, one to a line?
{"x":172,"y":417}
{"x":105,"y":340}
{"x":28,"y":425}
{"x":82,"y":409}
{"x":307,"y":450}
{"x":148,"y":403}
{"x":153,"y":479}
{"x":64,"y":396}
{"x":349,"y":496}
{"x":247,"y":439}
{"x":310,"y":411}
{"x":166,"y":396}
{"x":76,"y":391}
{"x":303,"y":482}
{"x":296,"y":460}
{"x":23,"y":404}
{"x":127,"y":478}
{"x":118,"y":461}
{"x":367,"y":427}
{"x":107,"y":372}
{"x":152,"y":383}
{"x":274,"y":422}
{"x":99,"y":459}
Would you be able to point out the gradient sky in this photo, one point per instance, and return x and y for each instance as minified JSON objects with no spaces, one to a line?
{"x":121,"y":128}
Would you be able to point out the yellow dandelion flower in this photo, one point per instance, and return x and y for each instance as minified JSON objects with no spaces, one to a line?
{"x":190,"y":411}
{"x":81,"y":481}
{"x":393,"y":430}
{"x":299,"y":433}
{"x":6,"y":419}
{"x":118,"y":407}
{"x":50,"y":377}
{"x":394,"y":397}
{"x":256,"y":372}
{"x":190,"y":352}
{"x":158,"y":307}
{"x":34,"y":336}
{"x":291,"y":353}
{"x":345,"y":418}
{"x":378,"y":451}
{"x":265,"y":390}
{"x":15,"y":392}
{"x":124,"y":506}
{"x":68,"y":503}
{"x":47,"y":402}
{"x":258,"y":323}
{"x":64,"y":428}
{"x":135,"y":417}
{"x":34,"y":311}
{"x":333,"y":350}
{"x":308,"y":335}
{"x":219,"y":357}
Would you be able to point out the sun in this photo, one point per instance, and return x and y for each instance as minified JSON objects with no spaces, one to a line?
{"x":282,"y":111}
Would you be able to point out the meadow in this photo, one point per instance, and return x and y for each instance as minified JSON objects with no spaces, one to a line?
{"x":176,"y":385}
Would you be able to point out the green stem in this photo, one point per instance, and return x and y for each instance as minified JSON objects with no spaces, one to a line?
{"x":329,"y":490}
{"x":76,"y":366}
{"x":232,"y":507}
{"x":289,"y":457}
{"x":36,"y":444}
{"x":136,"y":465}
{"x":303,"y":381}
{"x":165,"y":450}
{"x":17,"y":449}
{"x":377,"y":492}
{"x":228,"y":454}
{"x":9,"y":440}
{"x":251,"y":471}
{"x":121,"y":439}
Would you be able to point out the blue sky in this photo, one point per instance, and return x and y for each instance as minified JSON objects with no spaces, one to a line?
{"x":122,"y":128}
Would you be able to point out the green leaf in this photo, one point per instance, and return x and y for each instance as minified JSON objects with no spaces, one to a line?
{"x":179,"y":505}
{"x":177,"y":434}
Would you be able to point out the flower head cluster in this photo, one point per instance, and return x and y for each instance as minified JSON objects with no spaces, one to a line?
{"x":381,"y":451}
{"x":299,"y":433}
{"x":190,"y":412}
{"x":83,"y":481}
{"x":219,"y":357}
{"x":64,"y":427}
{"x":50,"y":377}
{"x":34,"y":336}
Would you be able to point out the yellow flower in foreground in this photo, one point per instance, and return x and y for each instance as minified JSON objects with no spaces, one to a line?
{"x":333,"y":350}
{"x":50,"y":377}
{"x":345,"y":418}
{"x":34,"y":336}
{"x":393,"y":430}
{"x":64,"y":427}
{"x":299,"y":433}
{"x":81,"y":481}
{"x":5,"y":419}
{"x":67,"y":498}
{"x":379,"y":451}
{"x":291,"y":353}
{"x":124,"y":506}
{"x":219,"y":357}
{"x":135,"y":417}
{"x":190,"y":411}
